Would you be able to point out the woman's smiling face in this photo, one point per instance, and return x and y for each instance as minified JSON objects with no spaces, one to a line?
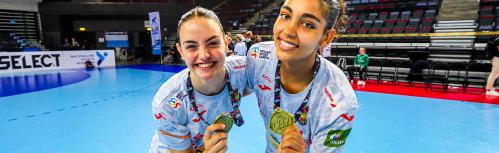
{"x":300,"y":29}
{"x":202,"y":46}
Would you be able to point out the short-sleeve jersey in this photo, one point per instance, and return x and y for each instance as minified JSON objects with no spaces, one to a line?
{"x":331,"y":108}
{"x":178,"y":125}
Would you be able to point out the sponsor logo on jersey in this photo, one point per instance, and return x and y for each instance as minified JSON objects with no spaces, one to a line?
{"x":264,"y":54}
{"x":336,"y":138}
{"x":266,"y":78}
{"x":239,"y":67}
{"x":158,"y":116}
{"x":174,"y":102}
{"x":330,"y":97}
{"x":264,"y":87}
{"x":349,"y":118}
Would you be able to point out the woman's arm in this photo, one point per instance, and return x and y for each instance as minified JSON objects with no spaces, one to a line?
{"x":170,"y":115}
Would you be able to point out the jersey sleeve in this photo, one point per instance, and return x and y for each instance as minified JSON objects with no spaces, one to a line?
{"x":171,"y":121}
{"x":334,"y":116}
{"x":251,"y":58}
{"x":237,"y":69}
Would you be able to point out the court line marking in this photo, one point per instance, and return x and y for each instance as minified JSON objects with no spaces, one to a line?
{"x":105,"y":99}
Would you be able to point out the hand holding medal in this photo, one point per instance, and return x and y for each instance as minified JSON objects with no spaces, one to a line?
{"x":292,"y":141}
{"x":282,"y":123}
{"x":215,"y":136}
{"x":225,"y":119}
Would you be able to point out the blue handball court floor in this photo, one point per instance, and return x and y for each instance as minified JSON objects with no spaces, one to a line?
{"x":109,"y":111}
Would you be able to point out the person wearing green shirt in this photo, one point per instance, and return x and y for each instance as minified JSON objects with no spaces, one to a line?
{"x":360,"y":64}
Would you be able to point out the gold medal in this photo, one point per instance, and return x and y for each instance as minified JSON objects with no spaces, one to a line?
{"x":280,"y":120}
{"x":226,"y":119}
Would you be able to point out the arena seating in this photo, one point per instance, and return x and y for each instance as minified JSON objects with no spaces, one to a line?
{"x":17,"y":28}
{"x":431,"y":74}
{"x":375,"y":17}
{"x":265,"y":22}
{"x":390,"y":17}
{"x":18,"y":25}
{"x":489,"y":15}
{"x":236,"y":12}
{"x":393,"y":59}
{"x":7,"y":43}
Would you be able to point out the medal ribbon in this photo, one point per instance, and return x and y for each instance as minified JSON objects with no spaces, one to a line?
{"x":235,"y":97}
{"x":303,"y":109}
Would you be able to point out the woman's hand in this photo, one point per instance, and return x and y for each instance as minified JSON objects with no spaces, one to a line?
{"x":215,"y":142}
{"x":292,"y":141}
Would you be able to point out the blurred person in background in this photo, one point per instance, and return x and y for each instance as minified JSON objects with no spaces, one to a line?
{"x":240,"y":47}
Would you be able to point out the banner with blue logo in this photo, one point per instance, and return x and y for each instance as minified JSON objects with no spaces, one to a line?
{"x":155,"y":33}
{"x":54,"y":60}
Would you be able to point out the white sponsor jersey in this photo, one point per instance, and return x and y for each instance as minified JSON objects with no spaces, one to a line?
{"x":178,"y":125}
{"x":331,"y":108}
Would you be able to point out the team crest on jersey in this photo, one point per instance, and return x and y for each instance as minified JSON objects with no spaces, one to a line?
{"x":174,"y":102}
{"x":264,"y":54}
{"x":336,"y":138}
